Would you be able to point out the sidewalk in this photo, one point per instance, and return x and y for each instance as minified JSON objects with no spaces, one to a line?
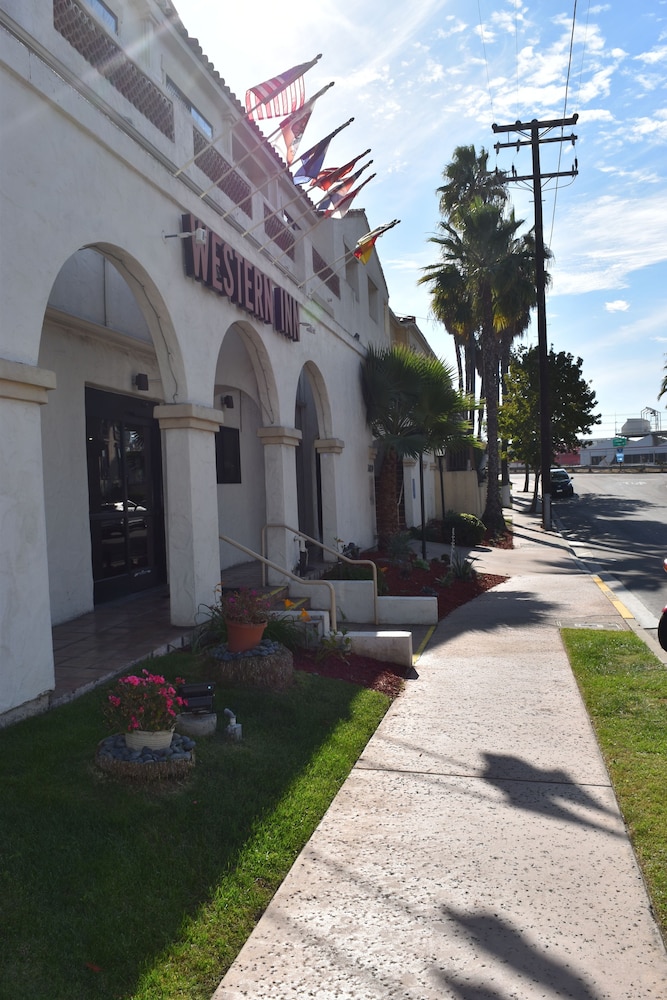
{"x":476,"y":850}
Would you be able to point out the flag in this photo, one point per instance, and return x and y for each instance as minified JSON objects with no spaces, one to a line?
{"x":327,"y":178}
{"x":340,"y":208}
{"x":364,"y":247}
{"x":290,"y":131}
{"x":341,"y":189}
{"x":291,"y":134}
{"x":312,"y":160}
{"x":281,"y":95}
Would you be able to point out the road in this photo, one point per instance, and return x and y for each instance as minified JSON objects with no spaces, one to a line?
{"x":615,"y":522}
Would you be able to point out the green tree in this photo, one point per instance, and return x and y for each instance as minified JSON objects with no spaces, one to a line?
{"x":571,"y":406}
{"x":412,"y":408}
{"x":482,"y":244}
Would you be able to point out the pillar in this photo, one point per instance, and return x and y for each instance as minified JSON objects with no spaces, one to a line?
{"x":280,"y":444}
{"x":327,"y":449}
{"x":26,"y":646}
{"x":191,"y":503}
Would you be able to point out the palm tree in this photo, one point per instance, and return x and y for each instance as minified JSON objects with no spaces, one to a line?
{"x":467,"y":177}
{"x":411,"y":408}
{"x":484,"y":248}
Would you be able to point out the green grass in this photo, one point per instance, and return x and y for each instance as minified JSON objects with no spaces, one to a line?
{"x":624,"y":687}
{"x":109,"y":890}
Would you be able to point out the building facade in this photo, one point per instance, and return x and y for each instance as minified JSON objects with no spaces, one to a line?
{"x":181,"y":337}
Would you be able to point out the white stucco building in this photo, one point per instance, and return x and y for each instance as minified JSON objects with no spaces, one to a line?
{"x":156,"y":390}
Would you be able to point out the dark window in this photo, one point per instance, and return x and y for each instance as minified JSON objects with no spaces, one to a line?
{"x":228,"y":455}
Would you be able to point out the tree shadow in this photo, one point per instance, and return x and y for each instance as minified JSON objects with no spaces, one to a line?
{"x":532,"y":966}
{"x":552,"y":793}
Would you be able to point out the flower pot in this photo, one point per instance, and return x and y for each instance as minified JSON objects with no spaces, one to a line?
{"x":244,"y":635}
{"x":157,"y":740}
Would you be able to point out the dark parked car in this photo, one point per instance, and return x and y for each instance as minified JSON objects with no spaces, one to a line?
{"x":561,"y":484}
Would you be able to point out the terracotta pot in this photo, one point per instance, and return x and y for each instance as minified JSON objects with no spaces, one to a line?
{"x":244,"y":635}
{"x":157,"y":740}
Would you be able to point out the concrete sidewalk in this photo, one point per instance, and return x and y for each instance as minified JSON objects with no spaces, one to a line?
{"x":476,"y":850}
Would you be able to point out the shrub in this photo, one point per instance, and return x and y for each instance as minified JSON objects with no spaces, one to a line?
{"x":468,"y":529}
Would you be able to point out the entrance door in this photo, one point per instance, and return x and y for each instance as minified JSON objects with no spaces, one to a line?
{"x":125,"y":493}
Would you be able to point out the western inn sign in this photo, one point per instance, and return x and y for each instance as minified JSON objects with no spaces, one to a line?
{"x":219,"y":266}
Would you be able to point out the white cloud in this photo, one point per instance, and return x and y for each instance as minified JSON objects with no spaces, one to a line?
{"x":618,"y":305}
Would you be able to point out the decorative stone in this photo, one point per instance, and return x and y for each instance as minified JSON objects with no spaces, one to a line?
{"x":267,"y":665}
{"x":197,"y":723}
{"x":114,"y":757}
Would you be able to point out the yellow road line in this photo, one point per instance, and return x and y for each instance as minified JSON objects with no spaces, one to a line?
{"x":422,"y":644}
{"x":620,"y":607}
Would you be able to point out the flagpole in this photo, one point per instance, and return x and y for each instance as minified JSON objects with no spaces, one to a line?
{"x":327,"y":195}
{"x":246,"y":114}
{"x":347,"y":253}
{"x":279,"y":173}
{"x":351,"y":196}
{"x":267,"y":138}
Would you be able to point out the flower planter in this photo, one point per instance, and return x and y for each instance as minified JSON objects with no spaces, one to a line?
{"x":158,"y":740}
{"x":244,"y":635}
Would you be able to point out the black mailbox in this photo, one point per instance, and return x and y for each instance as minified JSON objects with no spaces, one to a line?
{"x":199,"y":697}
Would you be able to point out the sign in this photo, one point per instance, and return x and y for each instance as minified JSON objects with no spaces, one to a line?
{"x":218,"y":265}
{"x":619,"y":456}
{"x":619,"y":442}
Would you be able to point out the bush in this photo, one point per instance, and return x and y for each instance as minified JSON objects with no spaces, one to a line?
{"x":343,"y":571}
{"x":468,"y":529}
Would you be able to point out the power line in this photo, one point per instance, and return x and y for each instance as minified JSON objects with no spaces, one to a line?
{"x":486,"y":62}
{"x":567,"y":86}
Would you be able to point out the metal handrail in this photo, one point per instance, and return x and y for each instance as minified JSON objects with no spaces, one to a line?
{"x":333,"y":552}
{"x":280,"y":569}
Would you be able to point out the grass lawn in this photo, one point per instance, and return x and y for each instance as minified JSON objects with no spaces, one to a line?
{"x":114,"y":892}
{"x":624,"y":687}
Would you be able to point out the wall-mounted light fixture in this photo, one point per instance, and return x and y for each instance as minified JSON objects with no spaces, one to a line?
{"x":356,"y":336}
{"x":227,"y":402}
{"x":140,"y":381}
{"x":199,"y":235}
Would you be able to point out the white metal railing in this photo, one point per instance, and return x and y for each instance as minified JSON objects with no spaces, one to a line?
{"x":333,"y":552}
{"x":280,"y":569}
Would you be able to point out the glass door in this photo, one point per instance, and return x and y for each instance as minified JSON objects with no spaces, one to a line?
{"x":124,"y":484}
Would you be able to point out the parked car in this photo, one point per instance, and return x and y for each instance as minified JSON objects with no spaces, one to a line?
{"x":561,"y":484}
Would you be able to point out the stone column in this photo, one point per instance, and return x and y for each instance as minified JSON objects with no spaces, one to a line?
{"x":328,"y":448}
{"x":26,"y":645}
{"x":280,"y":445}
{"x":191,"y":503}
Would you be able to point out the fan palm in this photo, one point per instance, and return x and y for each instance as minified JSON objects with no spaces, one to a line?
{"x":412,"y":408}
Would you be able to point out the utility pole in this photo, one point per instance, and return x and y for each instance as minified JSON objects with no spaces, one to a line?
{"x":536,"y":134}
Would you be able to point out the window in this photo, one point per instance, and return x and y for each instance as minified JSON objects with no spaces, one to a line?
{"x":228,"y":455}
{"x":106,"y":16}
{"x":197,"y":117}
{"x":372,"y":300}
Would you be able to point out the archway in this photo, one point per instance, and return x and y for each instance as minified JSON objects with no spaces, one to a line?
{"x":107,"y":337}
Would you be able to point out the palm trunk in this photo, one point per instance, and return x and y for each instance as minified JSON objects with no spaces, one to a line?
{"x":386,"y":501}
{"x":493,"y":512}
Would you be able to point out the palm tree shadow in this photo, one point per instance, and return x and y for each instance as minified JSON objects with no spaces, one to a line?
{"x":551,"y":793}
{"x":532,"y":967}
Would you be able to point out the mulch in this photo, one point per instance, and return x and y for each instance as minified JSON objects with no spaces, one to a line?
{"x":389,"y":677}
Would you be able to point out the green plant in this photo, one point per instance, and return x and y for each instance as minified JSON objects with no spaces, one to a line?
{"x":334,"y":644}
{"x":288,"y":631}
{"x":459,"y":569}
{"x":469,"y":529}
{"x":421,"y":563}
{"x":399,"y":552}
{"x":343,"y":571}
{"x":148,"y":702}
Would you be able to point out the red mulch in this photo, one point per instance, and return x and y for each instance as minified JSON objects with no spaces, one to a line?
{"x":388,"y":677}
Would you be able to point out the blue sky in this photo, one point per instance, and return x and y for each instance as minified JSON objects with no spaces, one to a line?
{"x":425,"y":77}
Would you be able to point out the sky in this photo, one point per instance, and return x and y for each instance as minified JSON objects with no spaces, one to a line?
{"x":424,"y":77}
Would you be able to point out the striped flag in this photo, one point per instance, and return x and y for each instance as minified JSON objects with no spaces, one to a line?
{"x":332,"y":175}
{"x":340,"y":206}
{"x":334,"y":196}
{"x":365,"y":244}
{"x":282,"y":95}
